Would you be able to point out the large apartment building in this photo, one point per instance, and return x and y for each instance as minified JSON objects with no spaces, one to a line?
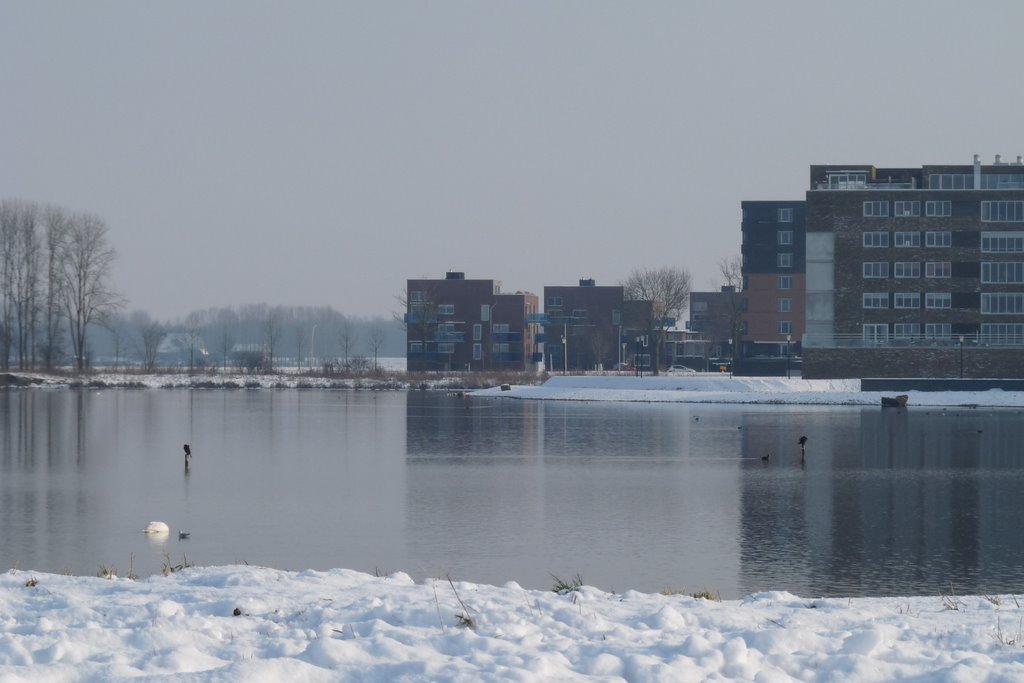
{"x":459,"y":324}
{"x":915,"y":271}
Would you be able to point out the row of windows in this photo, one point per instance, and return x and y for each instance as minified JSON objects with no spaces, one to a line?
{"x":906,"y":269}
{"x":934,"y":300}
{"x":965,"y":181}
{"x":1009,"y":272}
{"x":995,"y":303}
{"x":908,"y":209}
{"x":991,"y":211}
{"x":932,"y":238}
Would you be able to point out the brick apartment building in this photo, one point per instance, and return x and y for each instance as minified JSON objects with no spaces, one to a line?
{"x":915,"y":272}
{"x":459,"y":324}
{"x":774,"y":261}
{"x":590,"y":327}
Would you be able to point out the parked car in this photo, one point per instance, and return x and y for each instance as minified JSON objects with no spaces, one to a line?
{"x":681,"y":370}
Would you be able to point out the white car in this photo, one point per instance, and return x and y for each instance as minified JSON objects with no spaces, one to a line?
{"x":681,"y":370}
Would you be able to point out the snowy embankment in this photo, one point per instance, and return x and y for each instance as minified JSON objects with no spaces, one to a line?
{"x":717,"y":388}
{"x":257,"y":624}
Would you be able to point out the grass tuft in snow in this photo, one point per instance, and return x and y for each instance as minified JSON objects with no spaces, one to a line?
{"x":562,"y":587}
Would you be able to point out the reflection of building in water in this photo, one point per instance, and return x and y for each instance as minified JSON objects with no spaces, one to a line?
{"x":890,"y":501}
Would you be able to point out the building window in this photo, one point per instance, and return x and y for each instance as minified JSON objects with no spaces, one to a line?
{"x":1002,"y":333}
{"x":876,"y":209}
{"x":785,"y":305}
{"x":876,"y":300}
{"x":700,"y":306}
{"x":485,"y":312}
{"x":784,"y":216}
{"x":938,"y":300}
{"x":478,"y":351}
{"x":1002,"y":242}
{"x":876,"y":239}
{"x":906,"y":330}
{"x":906,"y":300}
{"x":554,"y":301}
{"x":1002,"y":212}
{"x":417,"y":296}
{"x":938,"y":209}
{"x":785,"y":260}
{"x":907,"y":269}
{"x":1002,"y":302}
{"x":785,"y":282}
{"x":784,"y":237}
{"x":499,"y":328}
{"x":579,"y":313}
{"x":477,"y":331}
{"x":907,"y":239}
{"x":446,"y":309}
{"x":937,"y":330}
{"x":951,"y":181}
{"x":876,"y":269}
{"x":876,"y":332}
{"x":785,"y":327}
{"x":416,"y":347}
{"x":938,"y":238}
{"x":445,"y":347}
{"x":847,"y":181}
{"x":906,"y":208}
{"x":1002,"y":272}
{"x":937,"y":269}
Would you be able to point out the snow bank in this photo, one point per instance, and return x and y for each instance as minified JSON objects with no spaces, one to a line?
{"x":718,"y":388}
{"x":257,"y":624}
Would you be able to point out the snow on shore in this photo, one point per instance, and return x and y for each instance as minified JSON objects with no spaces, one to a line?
{"x":256,"y":624}
{"x":719,"y":388}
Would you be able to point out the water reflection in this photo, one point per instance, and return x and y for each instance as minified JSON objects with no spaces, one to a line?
{"x":638,"y":496}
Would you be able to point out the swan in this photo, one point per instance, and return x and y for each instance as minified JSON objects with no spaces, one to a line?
{"x":157,"y":528}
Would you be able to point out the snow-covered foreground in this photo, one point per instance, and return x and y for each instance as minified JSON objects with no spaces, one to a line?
{"x":240,"y":623}
{"x":720,"y":388}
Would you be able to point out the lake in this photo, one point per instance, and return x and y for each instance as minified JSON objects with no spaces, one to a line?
{"x":629,"y":496}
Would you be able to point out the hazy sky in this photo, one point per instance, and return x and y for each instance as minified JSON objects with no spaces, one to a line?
{"x":323,"y":152}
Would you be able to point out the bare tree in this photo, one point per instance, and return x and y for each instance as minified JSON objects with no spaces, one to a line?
{"x":114,"y":323}
{"x":87,"y":293}
{"x":377,"y":336}
{"x":668,"y":290}
{"x":56,"y":225}
{"x":151,"y":335}
{"x":347,"y":337}
{"x":20,"y":259}
{"x":193,"y":329}
{"x":272,"y":332}
{"x":731,"y":271}
{"x":419,"y":318}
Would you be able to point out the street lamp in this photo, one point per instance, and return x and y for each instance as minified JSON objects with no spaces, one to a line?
{"x":789,"y":355}
{"x":565,"y":355}
{"x":961,"y":356}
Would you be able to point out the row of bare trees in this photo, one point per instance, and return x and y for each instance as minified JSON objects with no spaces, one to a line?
{"x":55,"y":269}
{"x":250,"y":337}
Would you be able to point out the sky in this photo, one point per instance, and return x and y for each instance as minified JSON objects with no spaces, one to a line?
{"x":321,"y":153}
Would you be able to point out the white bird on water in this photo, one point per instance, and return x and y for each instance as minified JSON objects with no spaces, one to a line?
{"x":157,"y":528}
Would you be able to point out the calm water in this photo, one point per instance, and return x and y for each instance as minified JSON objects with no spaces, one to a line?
{"x":640,"y":496}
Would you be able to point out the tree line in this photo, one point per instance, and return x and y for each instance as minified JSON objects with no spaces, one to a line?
{"x":58,"y":306}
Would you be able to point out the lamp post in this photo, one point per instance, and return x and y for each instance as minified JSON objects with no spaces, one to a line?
{"x":961,"y":356}
{"x":565,"y":355}
{"x":789,"y":355}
